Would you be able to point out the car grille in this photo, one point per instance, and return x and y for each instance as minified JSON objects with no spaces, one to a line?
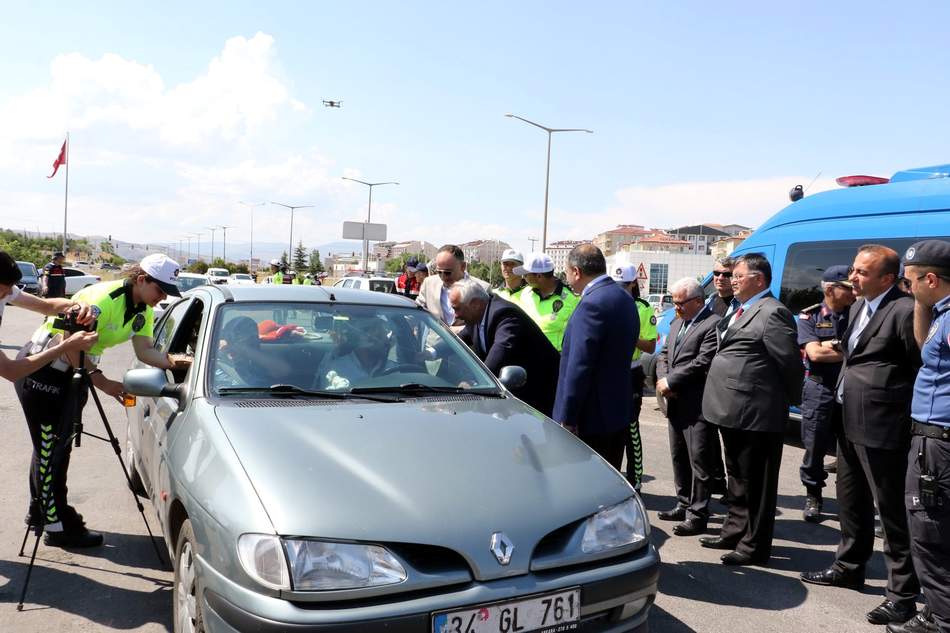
{"x":277,"y":404}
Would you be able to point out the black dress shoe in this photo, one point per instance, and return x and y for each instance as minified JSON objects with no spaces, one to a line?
{"x":676,"y":514}
{"x":74,"y":538}
{"x":716,"y":542}
{"x":892,"y":612}
{"x":922,"y":623}
{"x":831,"y":577}
{"x":740,"y":559}
{"x":689,"y":527}
{"x":812,"y":511}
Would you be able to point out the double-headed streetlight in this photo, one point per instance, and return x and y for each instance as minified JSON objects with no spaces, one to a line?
{"x":212,"y":229}
{"x":369,"y":210}
{"x":224,"y":243}
{"x":251,"y":205}
{"x":547,"y":172}
{"x":292,"y":207}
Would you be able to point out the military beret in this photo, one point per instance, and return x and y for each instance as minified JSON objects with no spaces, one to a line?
{"x":928,"y":253}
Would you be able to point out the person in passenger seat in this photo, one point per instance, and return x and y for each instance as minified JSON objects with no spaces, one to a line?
{"x":242,"y":362}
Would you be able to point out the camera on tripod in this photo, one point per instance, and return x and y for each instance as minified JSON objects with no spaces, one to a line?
{"x":66,"y":321}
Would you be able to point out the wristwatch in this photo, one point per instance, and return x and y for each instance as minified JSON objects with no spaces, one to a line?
{"x":836,"y":344}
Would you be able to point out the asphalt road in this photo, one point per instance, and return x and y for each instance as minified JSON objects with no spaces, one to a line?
{"x":121,"y":587}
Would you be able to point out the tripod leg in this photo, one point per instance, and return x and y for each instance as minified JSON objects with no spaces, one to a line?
{"x":118,"y":453}
{"x":26,"y":535}
{"x":29,"y":570}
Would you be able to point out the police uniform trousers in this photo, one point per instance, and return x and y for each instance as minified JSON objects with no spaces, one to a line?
{"x":632,"y":442}
{"x":867,"y":475}
{"x":821,"y":416}
{"x":48,"y":400}
{"x":694,"y":448}
{"x":607,"y":445}
{"x":753,"y":461}
{"x":930,"y":527}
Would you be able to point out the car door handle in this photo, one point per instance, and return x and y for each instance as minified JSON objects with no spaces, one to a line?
{"x":147,"y":412}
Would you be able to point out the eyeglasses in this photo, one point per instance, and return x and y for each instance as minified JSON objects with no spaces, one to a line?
{"x":721,"y":273}
{"x":680,"y":304}
{"x":748,"y":274}
{"x":444,"y":273}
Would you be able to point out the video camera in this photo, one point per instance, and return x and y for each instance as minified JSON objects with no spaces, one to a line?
{"x":66,"y":321}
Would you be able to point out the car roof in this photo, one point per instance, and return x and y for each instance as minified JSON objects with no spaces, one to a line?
{"x":286,"y":292}
{"x":190,"y":275}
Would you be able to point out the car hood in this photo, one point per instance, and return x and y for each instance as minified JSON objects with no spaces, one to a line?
{"x":446,"y":473}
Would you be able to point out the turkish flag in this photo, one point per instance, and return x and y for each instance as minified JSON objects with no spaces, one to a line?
{"x":60,"y":160}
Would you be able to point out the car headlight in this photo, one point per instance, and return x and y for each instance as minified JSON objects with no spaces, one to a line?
{"x":263,"y":559}
{"x":324,"y":566}
{"x":616,"y":526}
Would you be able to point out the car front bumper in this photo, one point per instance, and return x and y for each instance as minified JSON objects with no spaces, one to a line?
{"x":614,"y":597}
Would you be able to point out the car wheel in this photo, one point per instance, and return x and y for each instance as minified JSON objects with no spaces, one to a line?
{"x":187,"y":601}
{"x":138,"y":486}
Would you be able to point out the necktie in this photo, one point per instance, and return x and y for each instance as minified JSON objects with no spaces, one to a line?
{"x":683,"y":328}
{"x":739,"y":312}
{"x":862,"y":323}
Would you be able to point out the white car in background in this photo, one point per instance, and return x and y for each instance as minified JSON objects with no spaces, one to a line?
{"x":186,"y":282}
{"x":241,"y":279}
{"x":77,"y":279}
{"x":218,"y":275}
{"x":374,"y":284}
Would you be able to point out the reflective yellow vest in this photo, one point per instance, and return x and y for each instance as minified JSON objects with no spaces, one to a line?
{"x":552,"y":313}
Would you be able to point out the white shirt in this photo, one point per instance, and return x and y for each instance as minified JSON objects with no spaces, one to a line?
{"x":448,"y":314}
{"x":870,"y":307}
{"x":594,"y":281}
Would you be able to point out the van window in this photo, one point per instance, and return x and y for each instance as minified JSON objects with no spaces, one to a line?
{"x":806,"y":261}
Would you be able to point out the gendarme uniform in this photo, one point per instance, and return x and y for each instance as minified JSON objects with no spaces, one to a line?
{"x":551,"y":313}
{"x":928,"y":473}
{"x":638,"y":376}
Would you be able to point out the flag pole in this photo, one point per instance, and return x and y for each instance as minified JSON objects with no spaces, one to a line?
{"x":66,"y":195}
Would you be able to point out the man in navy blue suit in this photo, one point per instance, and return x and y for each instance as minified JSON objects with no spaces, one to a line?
{"x":594,"y":396}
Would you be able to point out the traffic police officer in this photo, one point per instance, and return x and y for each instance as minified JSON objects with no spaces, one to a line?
{"x":549,"y":302}
{"x":512,"y":285}
{"x":820,"y":328}
{"x":277,"y":277}
{"x":927,"y":266}
{"x":123,"y":310}
{"x":54,"y":278}
{"x":626,"y":276}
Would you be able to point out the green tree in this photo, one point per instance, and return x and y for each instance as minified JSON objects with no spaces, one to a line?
{"x":397,"y":264}
{"x":283,"y":259}
{"x":490,"y":273}
{"x":106,"y":247}
{"x":316,"y":264}
{"x":300,"y":257}
{"x":199,"y":267}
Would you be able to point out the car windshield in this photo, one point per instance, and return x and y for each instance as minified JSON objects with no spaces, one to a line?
{"x":187,"y":283}
{"x":241,"y":276}
{"x":309,"y":348}
{"x":218,"y":272}
{"x":26,"y":269}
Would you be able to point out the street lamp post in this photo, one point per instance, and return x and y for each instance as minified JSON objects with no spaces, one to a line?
{"x":212,"y":229}
{"x":197,"y":246}
{"x":224,"y":243}
{"x":188,"y":259}
{"x":533,"y":241}
{"x":369,"y":210}
{"x":547,"y":171}
{"x":250,"y":257}
{"x":290,"y":251}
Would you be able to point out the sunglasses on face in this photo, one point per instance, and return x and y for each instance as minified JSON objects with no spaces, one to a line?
{"x":722,"y":273}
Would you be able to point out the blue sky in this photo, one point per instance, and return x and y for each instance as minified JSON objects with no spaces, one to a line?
{"x":700,"y":111}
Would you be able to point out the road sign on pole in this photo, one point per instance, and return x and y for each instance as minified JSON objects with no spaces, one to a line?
{"x":364,"y":231}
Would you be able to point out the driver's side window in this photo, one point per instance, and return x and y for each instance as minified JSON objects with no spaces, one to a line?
{"x":180,"y":331}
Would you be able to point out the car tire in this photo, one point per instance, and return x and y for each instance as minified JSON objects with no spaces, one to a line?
{"x":186,"y":600}
{"x":138,"y":486}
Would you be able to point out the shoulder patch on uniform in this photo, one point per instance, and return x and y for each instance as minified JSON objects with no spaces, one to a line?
{"x":653,"y":320}
{"x":138,"y":322}
{"x":557,"y":305}
{"x":643,"y":301}
{"x":811,"y":309}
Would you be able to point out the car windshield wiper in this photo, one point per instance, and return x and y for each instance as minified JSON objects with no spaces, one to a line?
{"x":294,"y":390}
{"x":417,"y":388}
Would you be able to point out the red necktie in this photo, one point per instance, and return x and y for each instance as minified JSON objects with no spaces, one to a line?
{"x":739,"y":312}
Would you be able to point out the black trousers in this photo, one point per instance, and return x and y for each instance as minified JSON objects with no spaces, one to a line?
{"x":608,"y":445}
{"x":48,"y":400}
{"x":694,"y":449}
{"x":866,"y":475}
{"x":753,"y":460}
{"x":633,"y":445}
{"x":821,"y":416}
{"x":930,"y":527}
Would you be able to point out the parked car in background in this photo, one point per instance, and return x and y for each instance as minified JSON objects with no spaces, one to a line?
{"x":30,"y":281}
{"x":660,"y":303}
{"x":374,"y":284}
{"x":218,"y":275}
{"x":241,"y":279}
{"x":108,"y":266}
{"x":186,"y":282}
{"x":284,"y":507}
{"x":77,"y":279}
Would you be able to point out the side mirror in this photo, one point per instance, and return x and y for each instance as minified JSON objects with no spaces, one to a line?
{"x":150,"y":382}
{"x":513,"y":377}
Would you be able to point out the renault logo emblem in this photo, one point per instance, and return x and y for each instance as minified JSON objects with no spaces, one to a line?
{"x":502,"y":547}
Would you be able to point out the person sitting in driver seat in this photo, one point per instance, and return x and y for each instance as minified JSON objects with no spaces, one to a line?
{"x":240,"y":361}
{"x":363,"y":352}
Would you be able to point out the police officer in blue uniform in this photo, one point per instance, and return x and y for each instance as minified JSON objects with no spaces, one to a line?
{"x":820,"y":328}
{"x":927,"y":267}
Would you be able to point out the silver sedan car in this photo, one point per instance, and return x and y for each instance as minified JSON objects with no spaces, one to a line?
{"x":337,"y":460}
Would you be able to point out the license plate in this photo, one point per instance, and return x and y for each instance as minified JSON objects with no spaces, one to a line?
{"x":547,"y":613}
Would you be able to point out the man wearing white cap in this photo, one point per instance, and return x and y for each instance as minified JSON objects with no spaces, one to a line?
{"x":626,"y":277}
{"x":549,"y":302}
{"x":122,"y":310}
{"x":513,"y":284}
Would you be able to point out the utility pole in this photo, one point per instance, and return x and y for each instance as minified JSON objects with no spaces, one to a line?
{"x":212,"y":229}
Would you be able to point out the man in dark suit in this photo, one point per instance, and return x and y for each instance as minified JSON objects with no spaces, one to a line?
{"x":501,"y":334}
{"x":754,"y":377}
{"x":681,"y":368}
{"x":881,"y":359}
{"x":594,"y":392}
